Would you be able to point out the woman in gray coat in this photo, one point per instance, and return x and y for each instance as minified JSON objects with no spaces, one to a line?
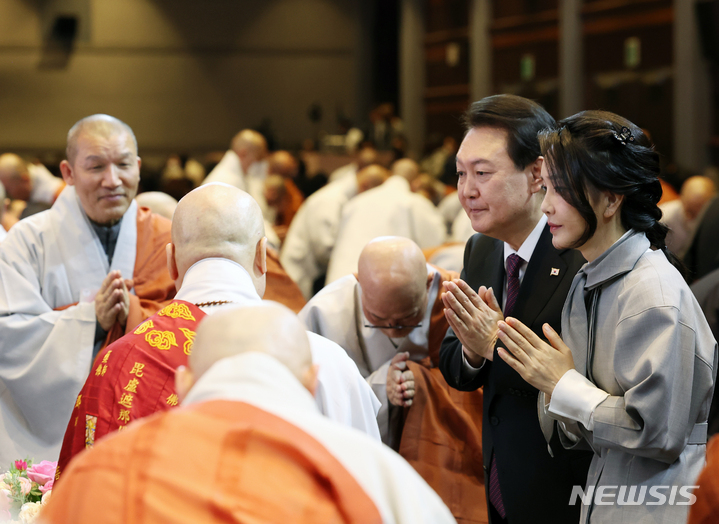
{"x":633,"y":374}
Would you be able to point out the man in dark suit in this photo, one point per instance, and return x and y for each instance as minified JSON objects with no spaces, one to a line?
{"x":513,"y":263}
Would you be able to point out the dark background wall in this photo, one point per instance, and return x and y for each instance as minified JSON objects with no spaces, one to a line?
{"x":185,"y":74}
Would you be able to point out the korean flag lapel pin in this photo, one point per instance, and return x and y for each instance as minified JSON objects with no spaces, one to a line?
{"x":554,"y":272}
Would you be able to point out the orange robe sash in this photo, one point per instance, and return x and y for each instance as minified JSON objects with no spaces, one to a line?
{"x":442,"y":433}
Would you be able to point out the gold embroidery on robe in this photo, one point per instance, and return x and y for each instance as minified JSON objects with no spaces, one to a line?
{"x":190,"y":335}
{"x":162,"y":340}
{"x":144,"y":327}
{"x":90,"y":425}
{"x":176,"y":310}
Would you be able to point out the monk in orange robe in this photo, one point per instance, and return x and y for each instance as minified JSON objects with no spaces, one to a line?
{"x":75,"y":277}
{"x":247,"y":445}
{"x":434,"y":427}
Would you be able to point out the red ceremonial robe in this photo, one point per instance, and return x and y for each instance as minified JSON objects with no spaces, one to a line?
{"x":132,"y":378}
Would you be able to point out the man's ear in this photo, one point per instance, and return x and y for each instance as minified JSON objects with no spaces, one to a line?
{"x":171,"y":262}
{"x":260,"y":262}
{"x":535,"y":173}
{"x":184,"y":380}
{"x":309,"y":379}
{"x":430,"y":278}
{"x":67,"y":175}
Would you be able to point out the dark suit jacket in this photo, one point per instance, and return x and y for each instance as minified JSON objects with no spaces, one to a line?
{"x":535,"y":486}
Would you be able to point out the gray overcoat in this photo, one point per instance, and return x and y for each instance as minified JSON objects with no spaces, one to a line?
{"x":656,"y":357}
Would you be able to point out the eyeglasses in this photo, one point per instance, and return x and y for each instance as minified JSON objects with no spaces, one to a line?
{"x":372,"y":326}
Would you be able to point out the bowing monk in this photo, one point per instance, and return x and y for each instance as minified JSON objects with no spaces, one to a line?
{"x":218,"y":260}
{"x":389,"y":319}
{"x":247,"y":445}
{"x":72,"y":279}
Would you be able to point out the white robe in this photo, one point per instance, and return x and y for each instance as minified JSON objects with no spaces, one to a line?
{"x":229,"y":171}
{"x":343,"y":172}
{"x":313,"y":232}
{"x":398,"y":492}
{"x":50,"y":260}
{"x":462,"y":229}
{"x":3,"y":233}
{"x":389,"y":209}
{"x":336,"y":313}
{"x":449,"y":207}
{"x":341,"y":395}
{"x":45,"y":185}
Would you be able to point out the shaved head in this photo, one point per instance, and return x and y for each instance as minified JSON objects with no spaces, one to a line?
{"x":274,"y":190}
{"x":100,"y":125}
{"x":14,"y":175}
{"x":283,"y":163}
{"x":268,"y":328}
{"x":218,"y":220}
{"x":696,"y":192}
{"x":406,"y":168}
{"x":393,"y":276}
{"x":370,"y":177}
{"x":250,"y":146}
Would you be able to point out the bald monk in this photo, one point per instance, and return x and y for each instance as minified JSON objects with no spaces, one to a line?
{"x":72,"y":279}
{"x":683,"y":214}
{"x":284,"y":165}
{"x":389,"y":320}
{"x":244,"y":165}
{"x":217,"y":258}
{"x":27,"y":181}
{"x":280,"y":287}
{"x":313,"y":232}
{"x":390,"y":209}
{"x":246,"y":445}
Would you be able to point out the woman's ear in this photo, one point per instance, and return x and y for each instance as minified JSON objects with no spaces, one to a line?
{"x":612,"y":203}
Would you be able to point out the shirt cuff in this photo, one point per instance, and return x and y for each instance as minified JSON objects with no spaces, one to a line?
{"x":576,"y":398}
{"x":468,"y":370}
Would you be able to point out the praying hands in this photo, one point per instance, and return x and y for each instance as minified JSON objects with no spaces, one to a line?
{"x":473,"y":317}
{"x":400,"y":381}
{"x":112,"y":302}
{"x":539,"y":363}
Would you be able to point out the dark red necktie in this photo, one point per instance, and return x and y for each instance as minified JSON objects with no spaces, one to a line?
{"x":514,"y":262}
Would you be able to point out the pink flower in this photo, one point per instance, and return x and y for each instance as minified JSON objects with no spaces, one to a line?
{"x":43,"y":472}
{"x":25,"y":485}
{"x":47,"y":486}
{"x":20,"y":465}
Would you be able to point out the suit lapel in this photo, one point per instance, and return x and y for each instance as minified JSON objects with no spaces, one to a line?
{"x":490,"y":272}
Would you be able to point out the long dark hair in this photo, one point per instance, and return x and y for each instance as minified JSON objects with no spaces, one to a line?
{"x":596,"y":151}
